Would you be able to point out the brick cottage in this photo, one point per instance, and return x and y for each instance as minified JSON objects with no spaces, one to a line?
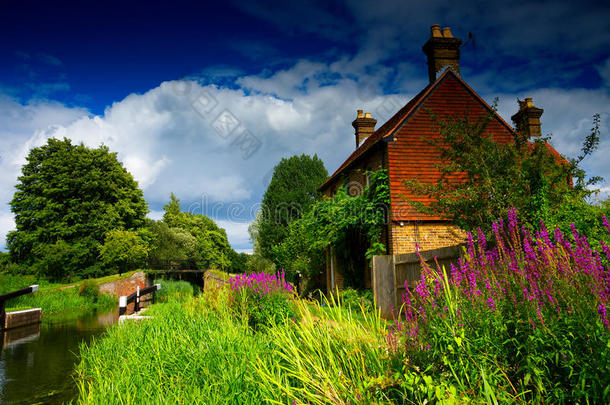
{"x":401,"y":146}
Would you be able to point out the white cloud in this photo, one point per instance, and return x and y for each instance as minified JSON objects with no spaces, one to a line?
{"x":7,"y":223}
{"x":237,"y":232}
{"x":157,"y":215}
{"x":170,"y":138}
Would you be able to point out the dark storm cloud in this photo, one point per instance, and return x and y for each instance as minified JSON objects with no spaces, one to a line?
{"x":531,"y":43}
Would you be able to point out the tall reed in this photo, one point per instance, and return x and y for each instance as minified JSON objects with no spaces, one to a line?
{"x":526,"y":316}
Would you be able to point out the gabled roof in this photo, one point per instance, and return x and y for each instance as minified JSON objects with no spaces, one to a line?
{"x":379,"y":134}
{"x":388,"y":129}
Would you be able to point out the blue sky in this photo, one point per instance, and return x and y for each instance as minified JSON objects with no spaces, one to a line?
{"x":203,"y":100}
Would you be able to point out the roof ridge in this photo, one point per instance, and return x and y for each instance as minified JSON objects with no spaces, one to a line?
{"x":382,"y":132}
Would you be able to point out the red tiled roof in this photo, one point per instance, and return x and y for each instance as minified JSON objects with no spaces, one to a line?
{"x":410,"y":154}
{"x":379,"y":134}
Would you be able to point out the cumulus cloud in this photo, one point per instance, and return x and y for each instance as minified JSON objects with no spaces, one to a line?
{"x":215,"y":146}
{"x":204,"y":141}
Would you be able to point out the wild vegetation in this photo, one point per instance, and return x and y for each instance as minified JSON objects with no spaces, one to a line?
{"x":522,"y":320}
{"x":173,"y":290}
{"x":58,"y":301}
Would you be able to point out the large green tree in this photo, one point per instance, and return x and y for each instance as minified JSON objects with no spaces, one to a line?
{"x":123,"y":250}
{"x":174,"y":239}
{"x":68,"y":197}
{"x":291,"y":193}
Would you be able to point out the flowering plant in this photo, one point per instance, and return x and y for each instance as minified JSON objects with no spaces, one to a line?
{"x":526,"y":314}
{"x":262,"y":299}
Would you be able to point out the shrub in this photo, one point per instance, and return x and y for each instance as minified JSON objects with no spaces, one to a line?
{"x":527,"y":316}
{"x":172,"y":290}
{"x":90,"y":290}
{"x":262,"y":299}
{"x":355,"y":299}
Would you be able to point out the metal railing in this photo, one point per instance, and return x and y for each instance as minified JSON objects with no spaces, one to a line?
{"x":8,"y":296}
{"x":135,"y":298}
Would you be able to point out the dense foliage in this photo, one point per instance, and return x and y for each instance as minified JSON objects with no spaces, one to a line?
{"x":481,"y":179}
{"x":291,"y":192}
{"x":525,"y":319}
{"x":123,"y":250}
{"x":192,"y":237}
{"x":352,"y":225}
{"x":68,"y":197}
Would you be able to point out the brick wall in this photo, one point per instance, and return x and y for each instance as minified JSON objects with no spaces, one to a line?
{"x":126,"y":286}
{"x":355,"y":175}
{"x":427,"y":235}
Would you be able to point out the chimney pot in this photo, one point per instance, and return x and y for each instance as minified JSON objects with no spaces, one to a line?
{"x":527,"y":120}
{"x":435,"y":31}
{"x":443,"y":51}
{"x":364,"y":126}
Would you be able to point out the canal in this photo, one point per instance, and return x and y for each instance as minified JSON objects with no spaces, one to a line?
{"x":37,"y":362}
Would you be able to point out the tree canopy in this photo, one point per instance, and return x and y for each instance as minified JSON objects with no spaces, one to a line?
{"x":68,"y":197}
{"x":292,"y":191}
{"x":123,"y":250}
{"x":186,"y":236}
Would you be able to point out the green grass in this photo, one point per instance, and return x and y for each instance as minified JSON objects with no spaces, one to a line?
{"x":10,"y":283}
{"x":58,"y":301}
{"x":199,"y":351}
{"x":187,"y":354}
{"x":61,"y":304}
{"x":172,"y":290}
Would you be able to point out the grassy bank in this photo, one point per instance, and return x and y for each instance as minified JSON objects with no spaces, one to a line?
{"x":186,"y":354}
{"x":199,"y":351}
{"x":58,"y":301}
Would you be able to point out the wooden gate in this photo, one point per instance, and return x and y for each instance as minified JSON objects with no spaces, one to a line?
{"x":391,"y":271}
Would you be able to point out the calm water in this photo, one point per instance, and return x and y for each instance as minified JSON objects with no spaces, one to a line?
{"x":37,"y":362}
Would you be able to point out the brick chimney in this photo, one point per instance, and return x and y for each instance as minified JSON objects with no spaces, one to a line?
{"x":527,"y":119}
{"x":443,"y":51}
{"x":364,"y":125}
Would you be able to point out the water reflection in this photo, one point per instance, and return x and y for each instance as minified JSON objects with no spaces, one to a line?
{"x":13,"y":337}
{"x":37,"y":361}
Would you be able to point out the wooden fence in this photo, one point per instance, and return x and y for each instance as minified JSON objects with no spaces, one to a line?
{"x":391,"y":271}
